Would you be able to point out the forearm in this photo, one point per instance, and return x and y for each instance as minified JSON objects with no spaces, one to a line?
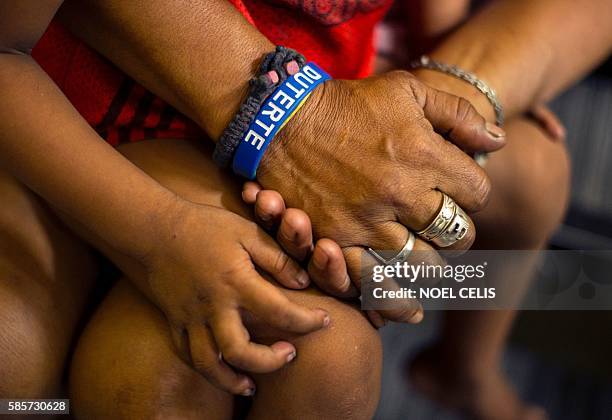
{"x":47,"y":145}
{"x":526,"y":50}
{"x":197,"y":55}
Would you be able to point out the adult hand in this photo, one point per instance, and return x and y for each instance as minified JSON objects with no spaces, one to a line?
{"x":202,"y":274}
{"x":366,"y":161}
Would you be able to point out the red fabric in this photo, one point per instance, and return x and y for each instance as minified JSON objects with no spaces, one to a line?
{"x":336,"y":34}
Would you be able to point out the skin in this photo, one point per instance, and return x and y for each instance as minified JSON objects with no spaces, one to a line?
{"x":336,"y":373}
{"x":153,"y":214}
{"x":213,"y":104}
{"x":162,"y":231}
{"x":494,"y":48}
{"x":124,"y":238}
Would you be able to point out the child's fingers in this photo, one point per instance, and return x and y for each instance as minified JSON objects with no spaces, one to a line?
{"x":295,"y":234}
{"x":249,"y":191}
{"x":207,"y":361}
{"x":236,"y":348}
{"x":180,"y":341}
{"x":268,"y":303}
{"x":268,"y":255}
{"x":269,"y":208}
{"x":327,"y":269}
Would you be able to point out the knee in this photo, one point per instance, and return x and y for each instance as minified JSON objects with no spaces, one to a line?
{"x":343,"y":364}
{"x":125,"y":367}
{"x":537,"y":197}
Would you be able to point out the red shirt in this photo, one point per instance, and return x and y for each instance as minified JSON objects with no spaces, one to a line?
{"x":336,"y":34}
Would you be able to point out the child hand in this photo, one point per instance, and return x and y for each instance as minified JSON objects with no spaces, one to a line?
{"x":203,"y":274}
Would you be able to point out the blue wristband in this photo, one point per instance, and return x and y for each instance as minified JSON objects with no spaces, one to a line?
{"x":273,"y":115}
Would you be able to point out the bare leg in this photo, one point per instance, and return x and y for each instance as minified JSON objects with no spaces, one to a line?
{"x":45,"y":278}
{"x":530,"y":179}
{"x":125,"y":366}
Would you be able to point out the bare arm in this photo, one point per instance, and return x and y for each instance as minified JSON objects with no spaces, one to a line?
{"x":198,"y":55}
{"x":527,"y":50}
{"x":47,"y":144}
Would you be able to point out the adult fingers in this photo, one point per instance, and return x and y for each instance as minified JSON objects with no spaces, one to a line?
{"x":327,"y":269}
{"x":250,"y":190}
{"x":427,"y":209}
{"x":458,"y":175}
{"x":269,"y":207}
{"x":278,"y":311}
{"x":295,"y":234}
{"x":294,"y":228}
{"x":376,"y":319}
{"x":236,"y":348}
{"x":267,"y":254}
{"x":443,"y":166}
{"x":456,"y":118}
{"x":362,"y":265}
{"x":205,"y":358}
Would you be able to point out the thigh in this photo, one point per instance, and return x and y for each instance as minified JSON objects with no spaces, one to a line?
{"x":345,"y":358}
{"x":46,"y":274}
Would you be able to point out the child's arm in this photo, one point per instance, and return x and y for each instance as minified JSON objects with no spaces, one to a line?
{"x":47,"y":145}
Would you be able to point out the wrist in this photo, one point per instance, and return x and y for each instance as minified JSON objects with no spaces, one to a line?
{"x":218,"y":106}
{"x":278,"y":154}
{"x":152,"y":236}
{"x":280,"y":107}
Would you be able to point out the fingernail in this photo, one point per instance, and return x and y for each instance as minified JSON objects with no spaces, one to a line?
{"x":495,"y":131}
{"x":291,"y":356}
{"x":272,"y":76}
{"x":302,"y":278}
{"x":346,"y":284}
{"x":249,"y":392}
{"x":292,"y":67}
{"x":326,"y":321}
{"x":417,"y":317}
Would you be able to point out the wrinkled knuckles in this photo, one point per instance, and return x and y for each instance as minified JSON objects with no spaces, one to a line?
{"x":464,"y":110}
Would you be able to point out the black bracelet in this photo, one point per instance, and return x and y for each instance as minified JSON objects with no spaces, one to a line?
{"x":260,"y":87}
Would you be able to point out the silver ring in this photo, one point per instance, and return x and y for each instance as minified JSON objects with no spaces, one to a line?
{"x":401,"y":256}
{"x":450,"y":225}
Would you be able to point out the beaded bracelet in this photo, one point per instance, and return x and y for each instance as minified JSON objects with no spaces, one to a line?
{"x":260,"y":87}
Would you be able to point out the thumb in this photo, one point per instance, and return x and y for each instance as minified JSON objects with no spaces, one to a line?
{"x":456,"y":119}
